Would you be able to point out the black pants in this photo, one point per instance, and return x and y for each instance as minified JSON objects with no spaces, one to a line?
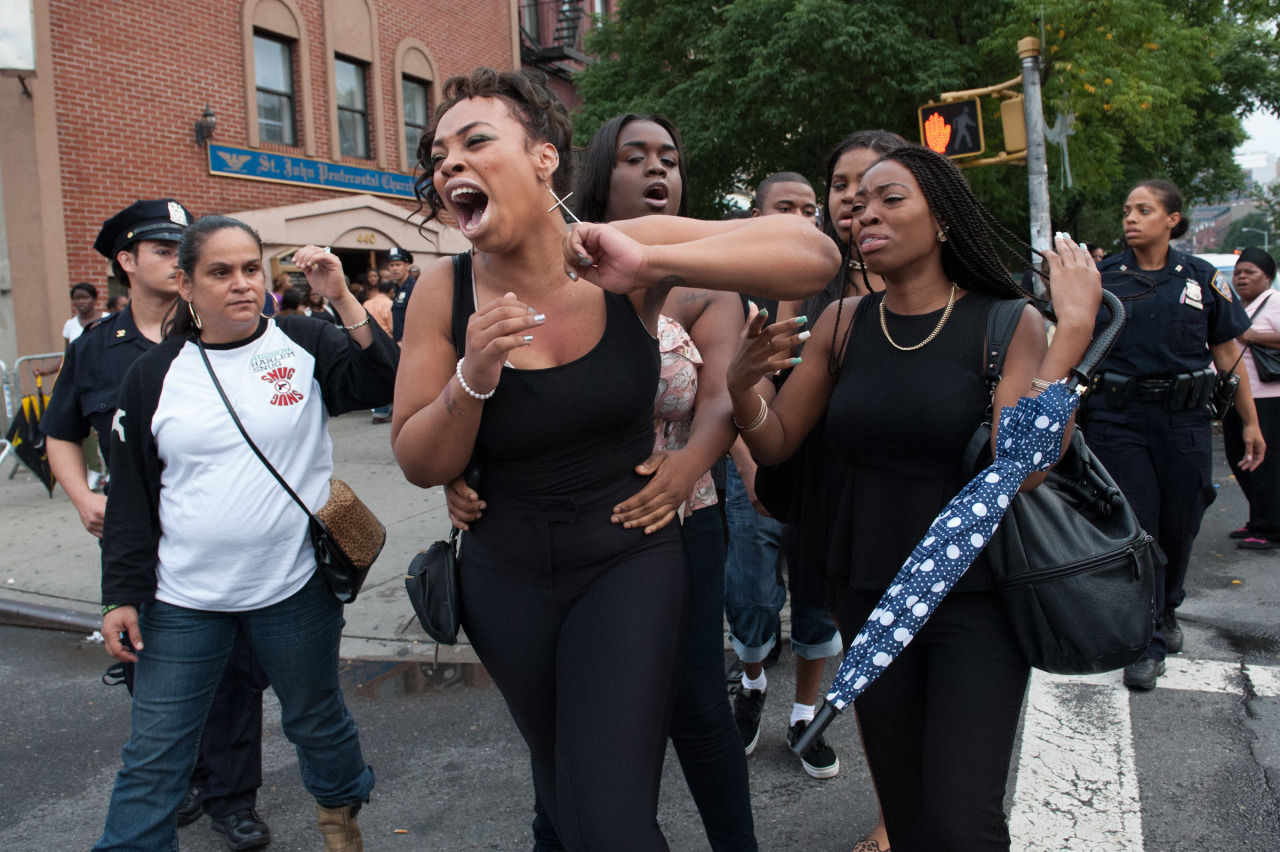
{"x":1261,"y":487}
{"x":1162,"y":460}
{"x":580,"y":624}
{"x":705,"y":736}
{"x":939,"y":725}
{"x":229,"y":764}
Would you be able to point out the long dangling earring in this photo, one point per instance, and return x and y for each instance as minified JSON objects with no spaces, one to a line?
{"x":195,"y":319}
{"x":560,"y":202}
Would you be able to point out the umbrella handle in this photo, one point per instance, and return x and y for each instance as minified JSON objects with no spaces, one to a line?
{"x":1106,"y":337}
{"x":825,"y":717}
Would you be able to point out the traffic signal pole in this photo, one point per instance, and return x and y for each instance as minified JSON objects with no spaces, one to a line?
{"x":1037,"y":163}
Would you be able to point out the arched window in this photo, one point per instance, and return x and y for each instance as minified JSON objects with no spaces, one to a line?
{"x":277,"y":75}
{"x":355,"y":76}
{"x":418,"y":93}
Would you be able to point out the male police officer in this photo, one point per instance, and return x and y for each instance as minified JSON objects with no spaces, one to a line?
{"x":141,"y":242}
{"x":398,"y":261}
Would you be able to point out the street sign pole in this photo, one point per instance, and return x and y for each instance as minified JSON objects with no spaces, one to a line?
{"x":1037,"y":164}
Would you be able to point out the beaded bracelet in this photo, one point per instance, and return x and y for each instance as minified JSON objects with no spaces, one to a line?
{"x":360,"y":324}
{"x":758,"y":422}
{"x":466,"y":387}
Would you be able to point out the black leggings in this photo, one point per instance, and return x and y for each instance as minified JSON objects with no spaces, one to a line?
{"x":580,"y":623}
{"x":1261,"y":487}
{"x":703,"y":732}
{"x":939,"y":725}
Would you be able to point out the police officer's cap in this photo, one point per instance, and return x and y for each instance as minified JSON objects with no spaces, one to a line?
{"x":161,"y":219}
{"x":399,"y":254}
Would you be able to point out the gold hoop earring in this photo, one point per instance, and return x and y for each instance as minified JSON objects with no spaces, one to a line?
{"x":942,"y":236}
{"x":195,"y":319}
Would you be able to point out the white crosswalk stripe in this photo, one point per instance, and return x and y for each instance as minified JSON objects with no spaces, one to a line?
{"x":1077,"y":782}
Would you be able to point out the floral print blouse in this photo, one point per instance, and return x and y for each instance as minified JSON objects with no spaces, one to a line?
{"x":673,"y":407}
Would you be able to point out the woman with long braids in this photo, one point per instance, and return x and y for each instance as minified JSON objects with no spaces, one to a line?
{"x":1147,"y":420}
{"x":900,"y":376}
{"x":552,"y":402}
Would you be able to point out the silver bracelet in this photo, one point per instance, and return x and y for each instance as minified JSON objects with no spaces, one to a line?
{"x":466,"y":387}
{"x":761,"y":416}
{"x":360,"y":324}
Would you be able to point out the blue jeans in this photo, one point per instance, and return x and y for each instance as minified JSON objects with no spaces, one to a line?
{"x":753,"y":591}
{"x":183,"y":656}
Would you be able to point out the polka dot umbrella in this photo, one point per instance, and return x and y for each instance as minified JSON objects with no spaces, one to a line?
{"x":1029,"y":440}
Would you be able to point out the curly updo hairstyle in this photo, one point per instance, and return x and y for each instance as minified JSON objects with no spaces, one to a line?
{"x":532,"y":103}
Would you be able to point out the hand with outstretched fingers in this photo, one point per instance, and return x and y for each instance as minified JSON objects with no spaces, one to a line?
{"x":764,"y":350}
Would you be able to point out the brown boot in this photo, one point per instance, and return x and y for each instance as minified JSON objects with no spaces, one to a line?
{"x":339,"y":829}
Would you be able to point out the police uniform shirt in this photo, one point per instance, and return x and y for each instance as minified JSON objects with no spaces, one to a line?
{"x":93,"y":367}
{"x":398,"y":306}
{"x":1169,"y":332}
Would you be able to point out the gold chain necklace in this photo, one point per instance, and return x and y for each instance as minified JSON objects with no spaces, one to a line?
{"x":951,"y":302}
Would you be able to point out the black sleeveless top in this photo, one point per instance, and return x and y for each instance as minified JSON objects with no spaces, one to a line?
{"x":901,"y":422}
{"x":572,"y":428}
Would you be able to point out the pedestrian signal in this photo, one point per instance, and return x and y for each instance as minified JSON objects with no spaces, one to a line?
{"x":953,"y":129}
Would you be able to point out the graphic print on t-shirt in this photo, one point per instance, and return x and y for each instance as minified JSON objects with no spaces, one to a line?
{"x":284,"y":390}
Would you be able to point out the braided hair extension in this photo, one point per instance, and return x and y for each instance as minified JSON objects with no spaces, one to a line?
{"x":969,"y":252}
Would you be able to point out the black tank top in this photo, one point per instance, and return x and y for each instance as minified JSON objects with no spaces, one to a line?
{"x":572,"y":428}
{"x":901,"y":422}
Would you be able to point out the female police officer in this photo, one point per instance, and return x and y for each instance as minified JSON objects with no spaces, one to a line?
{"x":1146,"y":418}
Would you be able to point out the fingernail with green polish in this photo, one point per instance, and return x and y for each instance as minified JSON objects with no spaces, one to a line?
{"x":765,"y":312}
{"x":795,"y":361}
{"x":801,"y":320}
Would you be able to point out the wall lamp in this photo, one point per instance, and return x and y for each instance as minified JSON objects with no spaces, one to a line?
{"x":206,"y":125}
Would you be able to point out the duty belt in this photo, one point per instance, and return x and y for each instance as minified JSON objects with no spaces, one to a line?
{"x":1182,"y":392}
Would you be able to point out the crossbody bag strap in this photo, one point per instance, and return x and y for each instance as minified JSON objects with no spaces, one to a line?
{"x":1002,"y":322}
{"x":257,"y":452}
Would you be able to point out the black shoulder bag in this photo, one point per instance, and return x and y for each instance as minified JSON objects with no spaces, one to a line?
{"x":1072,"y":564}
{"x":1265,"y":361}
{"x":346,"y":536}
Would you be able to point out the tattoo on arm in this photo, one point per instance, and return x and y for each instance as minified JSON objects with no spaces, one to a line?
{"x":450,"y":406}
{"x":693,"y":297}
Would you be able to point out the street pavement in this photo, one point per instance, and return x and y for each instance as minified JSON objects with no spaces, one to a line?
{"x":1192,"y":766}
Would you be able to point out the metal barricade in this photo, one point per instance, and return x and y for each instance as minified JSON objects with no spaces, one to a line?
{"x":24,"y":381}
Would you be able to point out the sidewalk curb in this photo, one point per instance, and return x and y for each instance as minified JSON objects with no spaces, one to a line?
{"x":23,"y":614}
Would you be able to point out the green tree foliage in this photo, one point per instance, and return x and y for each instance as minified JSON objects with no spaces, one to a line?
{"x":1237,"y":237}
{"x":755,"y":86}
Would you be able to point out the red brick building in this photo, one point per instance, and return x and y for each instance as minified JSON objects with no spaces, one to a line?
{"x":309,"y":104}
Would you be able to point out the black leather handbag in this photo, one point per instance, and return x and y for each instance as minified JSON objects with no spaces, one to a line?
{"x":432,"y":584}
{"x":1074,"y":567}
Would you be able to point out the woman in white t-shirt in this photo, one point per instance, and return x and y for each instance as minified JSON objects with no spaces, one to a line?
{"x":1254,"y":274}
{"x":201,"y":545}
{"x":84,"y":298}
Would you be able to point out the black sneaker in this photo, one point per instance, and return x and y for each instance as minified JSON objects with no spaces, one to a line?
{"x":1172,"y":632}
{"x":1143,"y":674}
{"x":244,"y":829}
{"x":747,"y":706}
{"x":820,"y":760}
{"x":192,"y":806}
